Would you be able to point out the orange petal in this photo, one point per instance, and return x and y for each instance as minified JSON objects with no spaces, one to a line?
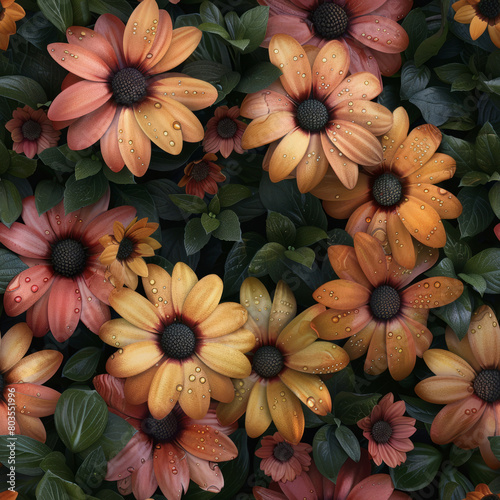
{"x":31,"y":426}
{"x":241,"y":339}
{"x":268,"y":128}
{"x":362,"y":85}
{"x":134,"y":358}
{"x":345,"y":169}
{"x":376,"y":357}
{"x":401,"y":242}
{"x":335,"y":325}
{"x":318,"y":358}
{"x":439,"y":167}
{"x":432,"y":292}
{"x":221,"y":387}
{"x":288,"y":154}
{"x":477,"y":27}
{"x":13,"y":345}
{"x":370,"y":115}
{"x":257,"y":301}
{"x":443,"y":390}
{"x":110,"y":147}
{"x":202,"y":300}
{"x":371,"y":258}
{"x":310,"y":171}
{"x":119,"y":332}
{"x":358,"y":344}
{"x":158,"y":285}
{"x":461,"y":348}
{"x":346,"y":266}
{"x":443,"y":202}
{"x":227,"y":413}
{"x":265,"y":102}
{"x":422,"y":336}
{"x":447,"y":364}
{"x":484,"y":338}
{"x":136,"y":388}
{"x":342,"y":294}
{"x":161,"y":43}
{"x":226,"y":318}
{"x":332,"y":189}
{"x":207,"y":443}
{"x":183,"y":280}
{"x":35,"y":400}
{"x":401,"y":354}
{"x":360,"y":216}
{"x":164,"y":390}
{"x":225,"y":360}
{"x":396,"y":135}
{"x":35,"y":368}
{"x":283,"y":311}
{"x":258,"y":417}
{"x":194,"y":398}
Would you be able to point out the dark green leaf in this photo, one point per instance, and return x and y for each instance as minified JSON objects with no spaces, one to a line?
{"x":494,"y":197}
{"x":39,"y":31}
{"x":452,"y":476}
{"x":20,"y":166}
{"x":241,"y":45}
{"x":10,"y":266}
{"x":48,"y":194}
{"x":258,"y":77}
{"x":81,"y":13}
{"x":108,"y":495}
{"x":216,"y":29}
{"x":57,"y":160}
{"x":209,"y":223}
{"x":86,"y":167}
{"x":486,"y":264}
{"x":28,"y":454}
{"x":457,"y":314}
{"x":476,"y":215}
{"x":328,"y":454}
{"x":476,"y":280}
{"x":4,"y":158}
{"x":82,"y":193}
{"x":472,"y":179}
{"x":119,"y":8}
{"x":280,"y":229}
{"x":234,"y":25}
{"x":23,"y":89}
{"x":304,"y":256}
{"x":430,"y":46}
{"x":56,"y":463}
{"x":255,"y":23}
{"x":233,"y":193}
{"x":495,"y":445}
{"x":463,"y":83}
{"x":450,"y":72}
{"x":11,"y":204}
{"x":189,"y":203}
{"x":416,"y":26}
{"x":58,"y":12}
{"x":351,"y":408}
{"x":124,"y":176}
{"x":437,"y":105}
{"x":81,"y":366}
{"x":211,"y":14}
{"x":462,"y":151}
{"x":210,"y":71}
{"x":308,"y":235}
{"x":136,"y":196}
{"x":459,"y":456}
{"x":413,"y":79}
{"x":419,"y":409}
{"x":227,"y":83}
{"x":456,"y":249}
{"x":91,"y":473}
{"x":214,"y":205}
{"x":487,"y":149}
{"x":52,"y":487}
{"x":229,"y":229}
{"x":349,"y":442}
{"x":160,"y":189}
{"x":265,"y":258}
{"x":195,"y":236}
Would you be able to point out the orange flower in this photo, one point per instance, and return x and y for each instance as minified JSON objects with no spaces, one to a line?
{"x":468,"y":381}
{"x":202,"y":176}
{"x":112,"y":93}
{"x":21,"y":380}
{"x":480,"y":14}
{"x":123,"y":251}
{"x":369,"y":305}
{"x":317,"y":116}
{"x":481,"y":492}
{"x":8,"y":495}
{"x":179,"y":344}
{"x":10,"y":12}
{"x":286,"y":362}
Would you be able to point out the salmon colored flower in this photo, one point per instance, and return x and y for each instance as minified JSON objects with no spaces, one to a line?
{"x":166,"y":452}
{"x":31,"y":131}
{"x":367,"y":28}
{"x":387,"y":431}
{"x":497,"y":231}
{"x":286,"y":364}
{"x":124,"y":251}
{"x":202,"y":176}
{"x":21,"y":383}
{"x":8,"y":495}
{"x":370,"y":305}
{"x":65,"y":281}
{"x":118,"y":90}
{"x":480,"y":14}
{"x":467,"y":381}
{"x":178,"y":344}
{"x":481,"y":492}
{"x":10,"y":12}
{"x":281,"y":460}
{"x":397,"y":200}
{"x":317,"y":115}
{"x":224,"y":132}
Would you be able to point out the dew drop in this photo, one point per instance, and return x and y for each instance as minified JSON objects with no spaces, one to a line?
{"x":34,"y":288}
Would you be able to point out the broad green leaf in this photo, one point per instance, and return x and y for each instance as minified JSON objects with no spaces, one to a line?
{"x":255,"y":23}
{"x":431,"y":46}
{"x":209,"y":223}
{"x":419,"y":409}
{"x":79,"y":194}
{"x":304,"y":256}
{"x":189,"y":203}
{"x":457,"y":315}
{"x":437,"y":105}
{"x":210,"y":13}
{"x":232,"y":193}
{"x":23,"y":89}
{"x":280,"y":229}
{"x":4,"y":158}
{"x":472,"y":179}
{"x":119,"y":8}
{"x":476,"y":280}
{"x":160,"y":189}
{"x":195,"y":236}
{"x":450,"y":72}
{"x":57,"y":464}
{"x":28,"y":454}
{"x":328,"y":454}
{"x":462,"y":151}
{"x":265,"y":258}
{"x":494,"y":197}
{"x":10,"y":266}
{"x":476,"y":215}
{"x":91,"y":473}
{"x":216,"y":29}
{"x":87,"y":167}
{"x":258,"y":77}
{"x":11,"y":204}
{"x":416,"y":26}
{"x":308,"y":235}
{"x":48,"y":194}
{"x":351,"y":408}
{"x":487,"y":149}
{"x":487,"y":265}
{"x":349,"y":442}
{"x":20,"y":166}
{"x":58,"y":12}
{"x":229,"y":228}
{"x":82,"y":365}
{"x":52,"y":487}
{"x":413,"y":79}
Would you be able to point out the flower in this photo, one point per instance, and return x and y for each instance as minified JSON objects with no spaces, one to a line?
{"x":496,"y":229}
{"x":8,"y":495}
{"x":10,"y":12}
{"x":388,"y":431}
{"x":166,"y":452}
{"x":286,"y":364}
{"x":32,"y":132}
{"x":65,"y":281}
{"x":123,"y":251}
{"x":480,"y":14}
{"x":316,"y":116}
{"x":481,"y":492}
{"x":367,"y":29}
{"x":369,"y":305}
{"x":21,"y":382}
{"x":224,"y":132}
{"x":281,"y":460}
{"x":467,"y":381}
{"x":397,"y":199}
{"x":202,"y":176}
{"x":112,"y":93}
{"x":179,"y":343}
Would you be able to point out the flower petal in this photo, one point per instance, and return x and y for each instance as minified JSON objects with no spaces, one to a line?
{"x":134,"y":358}
{"x":268,"y":128}
{"x":202,"y":300}
{"x":484,"y":338}
{"x":35,"y":400}
{"x":164,"y":390}
{"x":119,"y":333}
{"x":13,"y":345}
{"x":137,"y":387}
{"x":144,"y":483}
{"x":442,"y":201}
{"x":444,"y":390}
{"x":334,"y":324}
{"x":371,"y":258}
{"x":227,"y":413}
{"x":35,"y":368}
{"x":205,"y":474}
{"x":401,"y":242}
{"x":194,"y":398}
{"x":362,"y":85}
{"x":401,"y":353}
{"x":432,"y":292}
{"x":109,"y":146}
{"x":25,"y":241}
{"x":318,"y":358}
{"x":137,"y":450}
{"x":345,"y":263}
{"x":376,"y":357}
{"x":257,"y":301}
{"x":111,"y":28}
{"x":310,"y":171}
{"x":207,"y":443}
{"x":161,"y":43}
{"x":171,"y":470}
{"x":396,"y":135}
{"x":183,"y":281}
{"x":265,"y":102}
{"x":379,"y":485}
{"x":224,"y":360}
{"x":226,"y":318}
{"x":342,"y":294}
{"x":31,"y":426}
{"x":370,"y":115}
{"x":439,"y":167}
{"x":447,"y":364}
{"x":283,"y":310}
{"x":366,"y":30}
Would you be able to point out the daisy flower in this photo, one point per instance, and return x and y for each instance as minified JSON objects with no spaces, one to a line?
{"x":178,"y":344}
{"x":118,"y":90}
{"x":21,"y":380}
{"x":370,"y":305}
{"x":481,"y":492}
{"x":387,"y":431}
{"x":480,"y":14}
{"x":65,"y":281}
{"x":202,"y":176}
{"x":31,"y":131}
{"x":316,"y":116}
{"x":10,"y":12}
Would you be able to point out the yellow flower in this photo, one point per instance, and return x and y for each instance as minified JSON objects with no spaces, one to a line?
{"x":10,"y":12}
{"x":480,"y":14}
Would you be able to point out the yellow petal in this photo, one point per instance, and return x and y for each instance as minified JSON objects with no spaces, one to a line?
{"x":484,"y":338}
{"x":225,"y":360}
{"x":396,"y":135}
{"x":119,"y":333}
{"x":447,"y":364}
{"x":136,"y":388}
{"x":35,"y":368}
{"x":443,"y":390}
{"x":202,"y":300}
{"x":226,"y":318}
{"x":283,"y":310}
{"x":318,"y":358}
{"x":227,"y":413}
{"x":164,"y":390}
{"x":258,"y":417}
{"x":241,"y":339}
{"x":158,"y":285}
{"x":195,"y":395}
{"x":257,"y":301}
{"x":134,"y":358}
{"x":183,"y":280}
{"x":13,"y":345}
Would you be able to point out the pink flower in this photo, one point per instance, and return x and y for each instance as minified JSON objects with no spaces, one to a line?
{"x":167,"y":452}
{"x":31,"y":131}
{"x":368,"y":28}
{"x":65,"y":280}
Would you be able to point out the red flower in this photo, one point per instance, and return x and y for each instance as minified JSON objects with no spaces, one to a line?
{"x":202,"y":176}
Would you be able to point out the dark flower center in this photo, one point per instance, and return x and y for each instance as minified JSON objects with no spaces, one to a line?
{"x":125,"y":249}
{"x":487,"y":385}
{"x":68,"y":258}
{"x":267,"y":361}
{"x":489,"y":8}
{"x":381,"y":431}
{"x":163,"y":430}
{"x":129,"y":86}
{"x":283,"y":452}
{"x":312,"y":115}
{"x":385,"y":302}
{"x":226,"y":128}
{"x":387,"y":190}
{"x":178,"y":341}
{"x":330,"y":20}
{"x":31,"y":130}
{"x":200,"y":171}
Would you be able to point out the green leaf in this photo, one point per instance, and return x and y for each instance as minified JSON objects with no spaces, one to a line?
{"x":431,"y":46}
{"x":413,"y":79}
{"x":494,"y":197}
{"x":4,"y":158}
{"x":255,"y":23}
{"x":10,"y":266}
{"x":57,"y":160}
{"x":52,"y":487}
{"x":86,"y":167}
{"x":462,"y":151}
{"x":456,"y":249}
{"x":232,"y":193}
{"x":234,"y":25}
{"x":452,"y":476}
{"x":265,"y":258}
{"x":304,"y":256}
{"x":167,"y":209}
{"x":308,"y":235}
{"x":472,"y":179}
{"x":476,"y":280}
{"x":56,"y":463}
{"x":229,"y":229}
{"x":459,"y":456}
{"x":457,"y":315}
{"x":108,"y":495}
{"x":11,"y":204}
{"x":82,"y":365}
{"x":48,"y":194}
{"x":124,"y":176}
{"x":487,"y":149}
{"x":20,"y":166}
{"x":81,"y":13}
{"x":437,"y":104}
{"x":476,"y":214}
{"x":195,"y":236}
{"x":58,"y":12}
{"x":23,"y":89}
{"x":119,"y":8}
{"x":450,"y":72}
{"x":209,"y":223}
{"x":495,"y":445}
{"x":280,"y":229}
{"x":419,"y":409}
{"x":420,"y":468}
{"x":91,"y":473}
{"x":227,"y":83}
{"x":351,"y":407}
{"x":80,"y":418}
{"x":349,"y":442}
{"x":241,"y":45}
{"x":189,"y":203}
{"x":215,"y":29}
{"x":82,"y":193}
{"x":137,"y":196}
{"x":464,"y":83}
{"x":416,"y":26}
{"x":214,"y":205}
{"x":210,"y":71}
{"x":486,"y":264}
{"x":211,"y":14}
{"x":328,"y":454}
{"x":258,"y":77}
{"x":28,"y":454}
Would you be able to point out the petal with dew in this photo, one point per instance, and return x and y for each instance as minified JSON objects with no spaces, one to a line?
{"x":370,"y":115}
{"x":396,"y":135}
{"x":345,"y":263}
{"x":288,"y":154}
{"x":119,"y":332}
{"x":358,"y":343}
{"x":25,"y":241}
{"x":207,"y":443}
{"x":310,"y":171}
{"x":161,"y":44}
{"x":362,"y":85}
{"x":35,"y":400}
{"x":268,"y":128}
{"x":442,"y":201}
{"x":64,"y":307}
{"x":109,"y":146}
{"x":371,"y":258}
{"x":342,"y":294}
{"x":226,"y":318}
{"x":400,"y":241}
{"x":183,"y":281}
{"x":242,"y":339}
{"x":484,"y":338}
{"x":136,"y":452}
{"x":376,"y":357}
{"x":205,"y":474}
{"x":401,"y":354}
{"x":171,"y":470}
{"x":318,"y":358}
{"x":194,"y":397}
{"x":439,"y":167}
{"x":283,"y":311}
{"x":265,"y":102}
{"x":134,"y":358}
{"x":447,"y":364}
{"x":391,"y":39}
{"x":444,"y":390}
{"x":334,"y":324}
{"x":166,"y":388}
{"x":258,"y":416}
{"x":159,"y":280}
{"x":202,"y":300}
{"x":345,"y":169}
{"x":225,"y":360}
{"x":227,"y":413}
{"x":432,"y":292}
{"x":13,"y":345}
{"x":35,"y":368}
{"x":144,"y":483}
{"x":257,"y":301}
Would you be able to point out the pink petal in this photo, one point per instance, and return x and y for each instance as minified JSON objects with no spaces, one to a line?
{"x":171,"y":470}
{"x":24,"y":241}
{"x":111,"y":28}
{"x":356,"y":8}
{"x":394,"y":9}
{"x":205,"y":474}
{"x":94,"y":312}
{"x":37,"y":316}
{"x":109,"y":145}
{"x":144,"y":482}
{"x":137,"y":449}
{"x":300,"y":29}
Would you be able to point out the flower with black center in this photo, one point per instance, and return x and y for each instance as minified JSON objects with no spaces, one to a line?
{"x":388,"y":432}
{"x":480,"y":14}
{"x":370,"y":306}
{"x":369,"y":29}
{"x":10,"y":12}
{"x":124,"y":251}
{"x":21,"y":383}
{"x":286,"y":363}
{"x":65,"y":281}
{"x":202,"y":176}
{"x":118,"y":90}
{"x":283,"y":461}
{"x":178,"y":344}
{"x":397,"y":200}
{"x":224,"y":132}
{"x":315,"y":116}
{"x":467,"y":381}
{"x":31,"y":131}
{"x":167,"y":452}
{"x":481,"y":492}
